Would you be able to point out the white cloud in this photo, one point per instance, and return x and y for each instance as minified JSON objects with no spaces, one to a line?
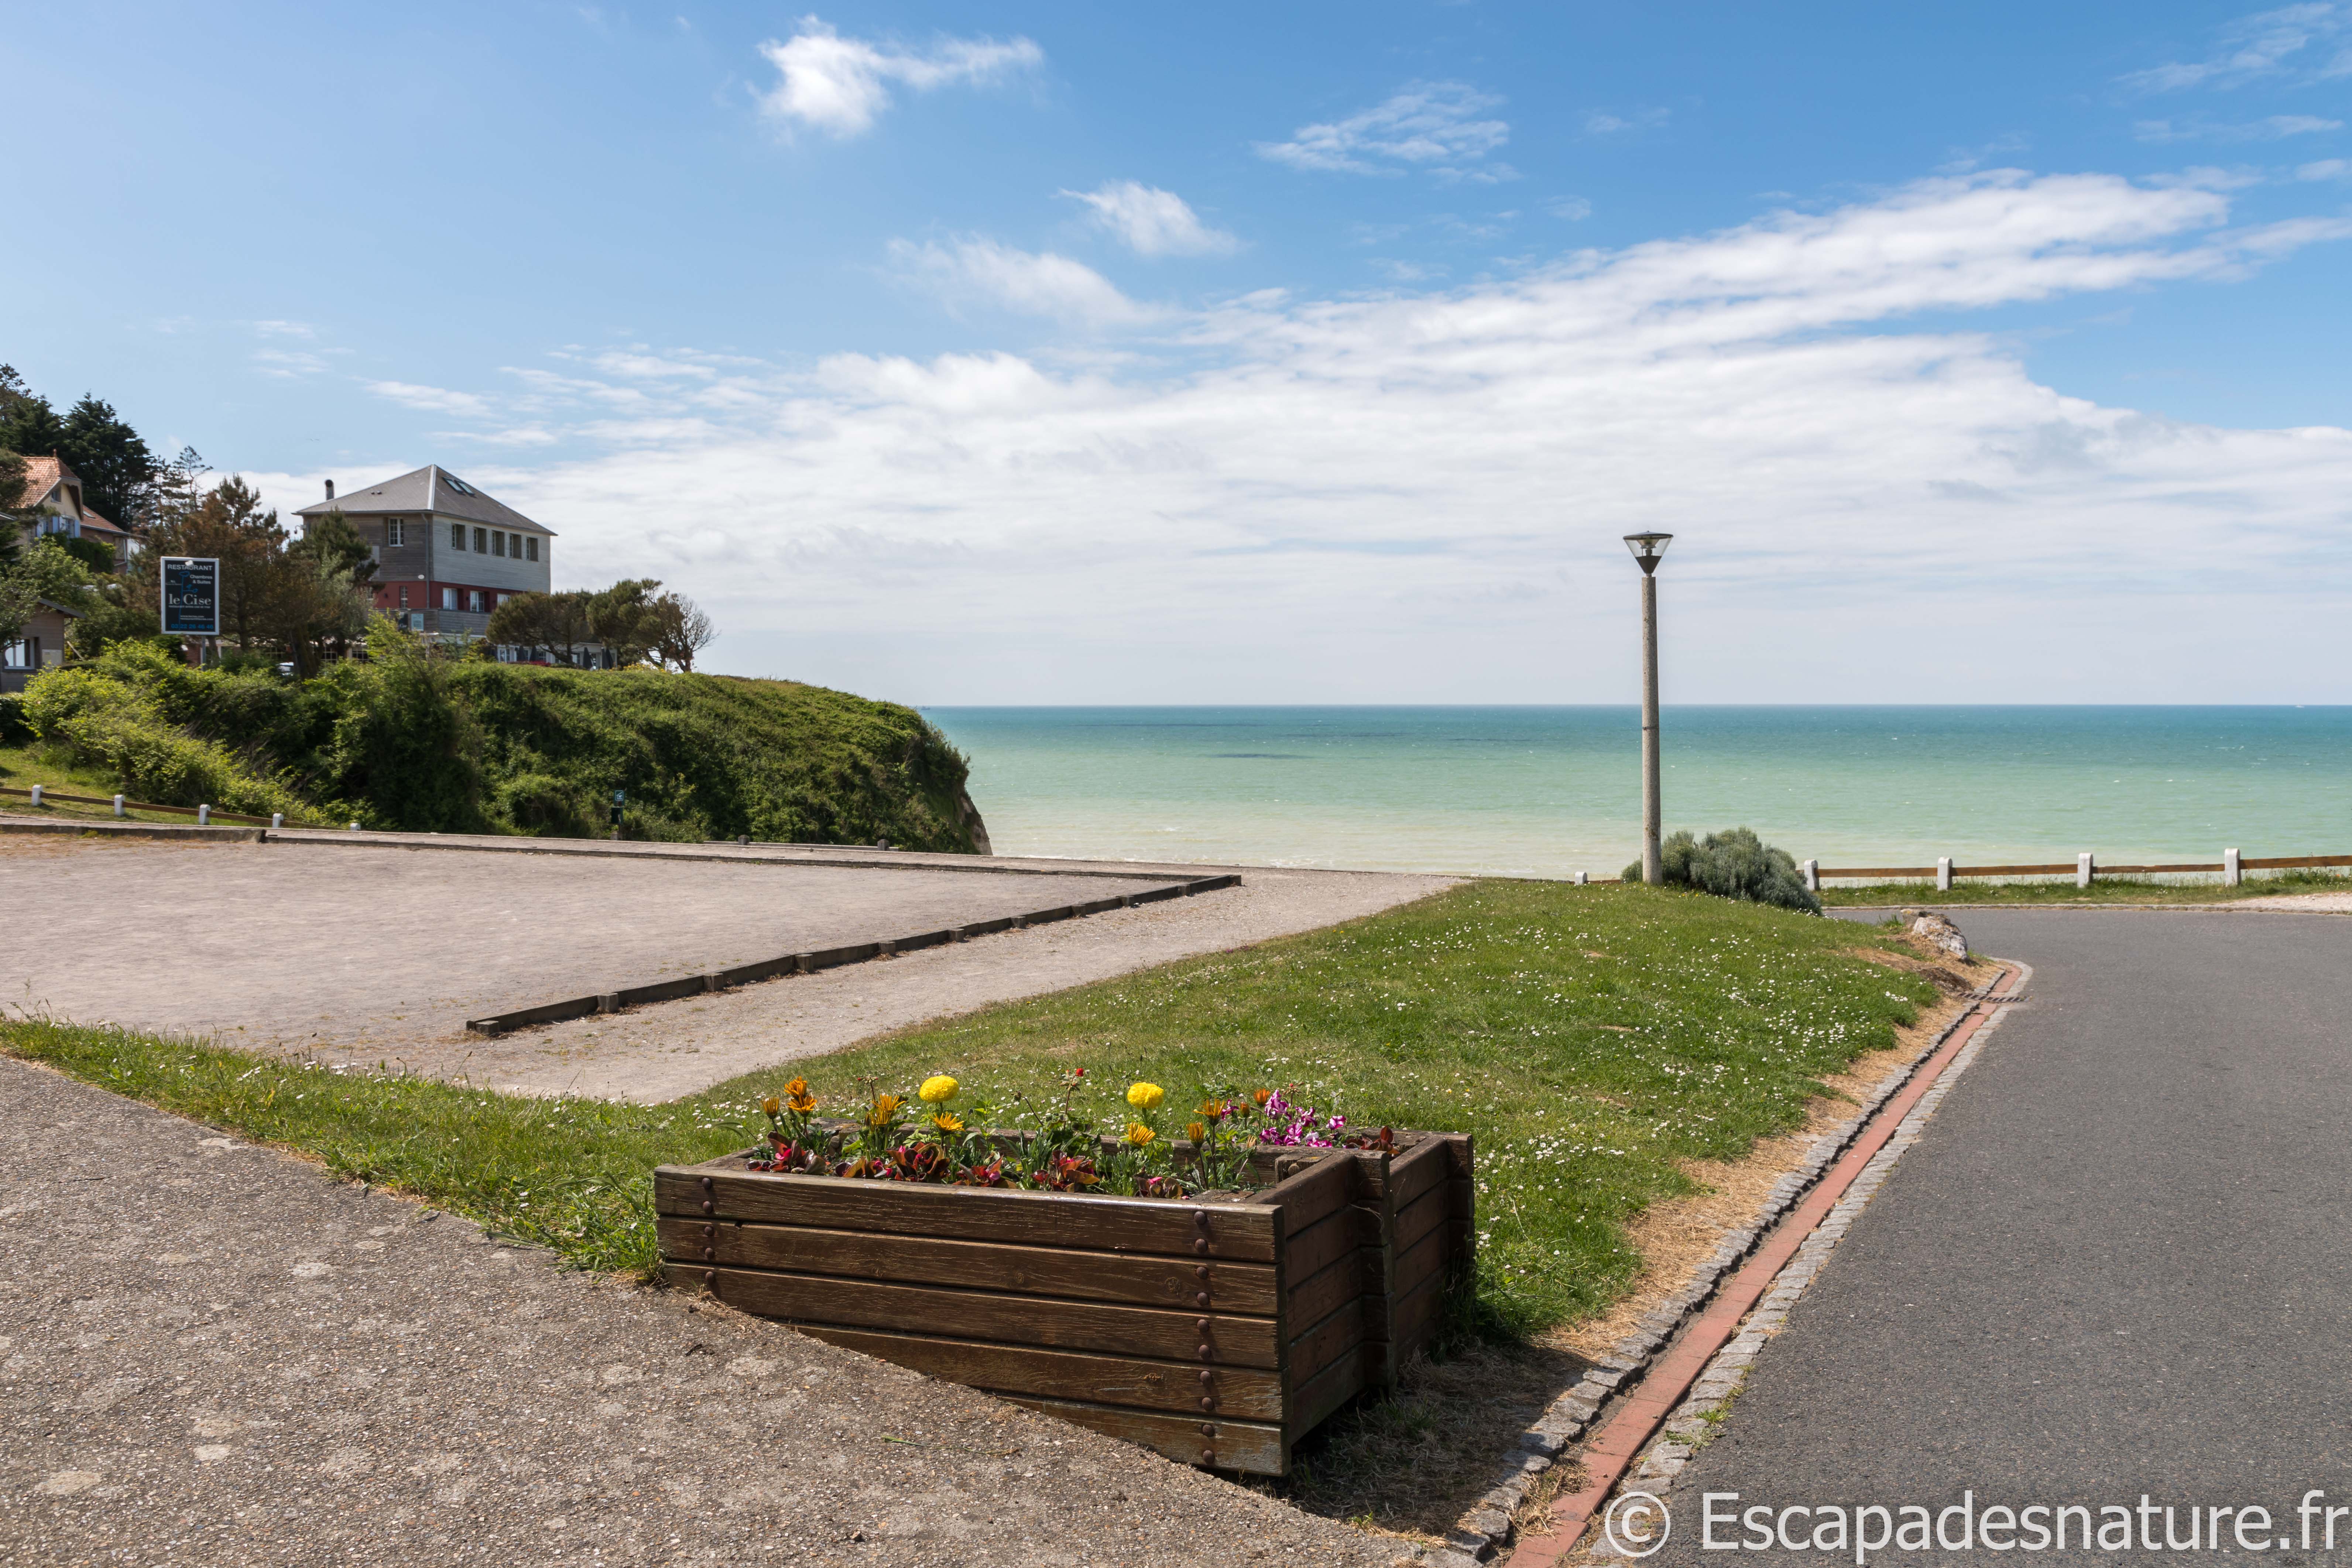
{"x":432,"y":399}
{"x":1575,"y":209}
{"x":287,"y":362}
{"x":1029,"y":283}
{"x":2325,"y":169}
{"x":1419,"y":496}
{"x":2303,"y":42}
{"x":839,"y":85}
{"x":285,"y":328}
{"x":1599,"y":123}
{"x":1430,"y":125}
{"x":1153,"y":222}
{"x":2269,"y":130}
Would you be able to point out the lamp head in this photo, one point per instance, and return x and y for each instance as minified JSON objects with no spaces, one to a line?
{"x":1648,"y":549}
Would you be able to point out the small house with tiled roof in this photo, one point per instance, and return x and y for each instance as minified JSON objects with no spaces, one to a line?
{"x":39,"y":643}
{"x":447,"y":555}
{"x":53,"y":493}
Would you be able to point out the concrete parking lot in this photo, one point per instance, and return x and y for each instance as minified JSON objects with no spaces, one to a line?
{"x":372,"y":951}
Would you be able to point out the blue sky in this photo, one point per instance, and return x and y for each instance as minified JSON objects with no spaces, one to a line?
{"x":1037,"y":353}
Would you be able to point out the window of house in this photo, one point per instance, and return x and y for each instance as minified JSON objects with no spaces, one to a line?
{"x":16,"y":655}
{"x":497,"y":542}
{"x":533,"y":545}
{"x":392,"y":534}
{"x":474,"y":600}
{"x":448,"y":598}
{"x":481,"y":541}
{"x":456,"y":536}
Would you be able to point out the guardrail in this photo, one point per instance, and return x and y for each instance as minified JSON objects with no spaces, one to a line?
{"x":2086,"y":869}
{"x":41,"y":794}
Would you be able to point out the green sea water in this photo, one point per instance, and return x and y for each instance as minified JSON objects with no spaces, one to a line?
{"x":1552,"y":791}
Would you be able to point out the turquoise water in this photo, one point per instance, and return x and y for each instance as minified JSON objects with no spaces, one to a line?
{"x":1551,"y":791}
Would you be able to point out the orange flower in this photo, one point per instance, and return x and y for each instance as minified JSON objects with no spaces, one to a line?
{"x":797,"y":1096}
{"x":947,"y":1121}
{"x":1261,"y":1096}
{"x":1138,"y":1134}
{"x":1196,"y":1130}
{"x":885,"y":1108}
{"x":772,"y":1105}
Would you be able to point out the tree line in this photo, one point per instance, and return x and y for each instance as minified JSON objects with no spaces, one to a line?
{"x":631,"y":619}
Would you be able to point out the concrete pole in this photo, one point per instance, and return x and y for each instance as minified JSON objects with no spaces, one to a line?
{"x":2231,"y":873}
{"x":1944,"y":874}
{"x":1653,"y":866}
{"x":2085,"y":867}
{"x":1812,"y":870}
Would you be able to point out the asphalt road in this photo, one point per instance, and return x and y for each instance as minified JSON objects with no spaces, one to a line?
{"x":2119,"y":1264}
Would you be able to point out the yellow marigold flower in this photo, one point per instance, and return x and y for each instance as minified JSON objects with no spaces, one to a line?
{"x":1144,"y":1096}
{"x":772,"y":1105}
{"x":1138,"y":1134}
{"x":938,"y":1089}
{"x":1196,"y":1130}
{"x":947,"y":1121}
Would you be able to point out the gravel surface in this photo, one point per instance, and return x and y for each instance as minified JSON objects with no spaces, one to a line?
{"x":2115,"y":1264}
{"x":363,"y":951}
{"x":239,"y":1361}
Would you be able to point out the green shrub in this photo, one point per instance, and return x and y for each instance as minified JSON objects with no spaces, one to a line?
{"x":15,"y":727}
{"x":107,"y":721}
{"x":424,"y":740}
{"x":1734,"y":864}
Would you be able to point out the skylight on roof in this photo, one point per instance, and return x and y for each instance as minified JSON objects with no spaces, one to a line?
{"x":455,"y":483}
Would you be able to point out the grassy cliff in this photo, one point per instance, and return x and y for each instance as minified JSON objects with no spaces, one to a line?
{"x":419,"y":742}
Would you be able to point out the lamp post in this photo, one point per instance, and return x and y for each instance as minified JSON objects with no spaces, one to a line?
{"x":1649,"y":549}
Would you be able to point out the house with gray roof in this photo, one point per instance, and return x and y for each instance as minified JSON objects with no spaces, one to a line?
{"x":447,"y":555}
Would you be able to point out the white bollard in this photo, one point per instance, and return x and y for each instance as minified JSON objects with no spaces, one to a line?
{"x":118,"y":805}
{"x":1812,"y":870}
{"x":355,"y":827}
{"x":37,"y":794}
{"x":1582,"y":878}
{"x":276,"y":819}
{"x":2083,"y":869}
{"x":1943,"y":873}
{"x":2232,"y":872}
{"x":203,"y":816}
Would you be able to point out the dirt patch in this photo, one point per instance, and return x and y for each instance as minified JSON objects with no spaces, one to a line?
{"x":1410,"y":1465}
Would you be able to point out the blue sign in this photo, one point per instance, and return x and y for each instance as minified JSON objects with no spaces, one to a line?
{"x":191,"y":596}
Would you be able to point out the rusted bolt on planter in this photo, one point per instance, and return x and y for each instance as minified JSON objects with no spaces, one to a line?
{"x":1136,"y":1316}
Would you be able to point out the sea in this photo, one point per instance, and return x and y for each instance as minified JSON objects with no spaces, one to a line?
{"x":1548,"y":792}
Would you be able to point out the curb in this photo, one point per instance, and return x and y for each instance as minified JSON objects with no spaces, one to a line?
{"x":1690,"y":1427}
{"x":812,"y":961}
{"x":1486,"y":1527}
{"x":140,"y":830}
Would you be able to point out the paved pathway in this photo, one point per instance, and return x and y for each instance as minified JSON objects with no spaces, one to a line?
{"x":211,"y":1355}
{"x":2118,"y":1263}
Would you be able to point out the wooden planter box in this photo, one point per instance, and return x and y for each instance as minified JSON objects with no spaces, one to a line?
{"x":1218,"y":1332}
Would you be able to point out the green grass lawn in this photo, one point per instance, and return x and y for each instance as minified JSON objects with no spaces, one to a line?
{"x":33,"y":762}
{"x":1591,"y":1038}
{"x":2102,"y":890}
